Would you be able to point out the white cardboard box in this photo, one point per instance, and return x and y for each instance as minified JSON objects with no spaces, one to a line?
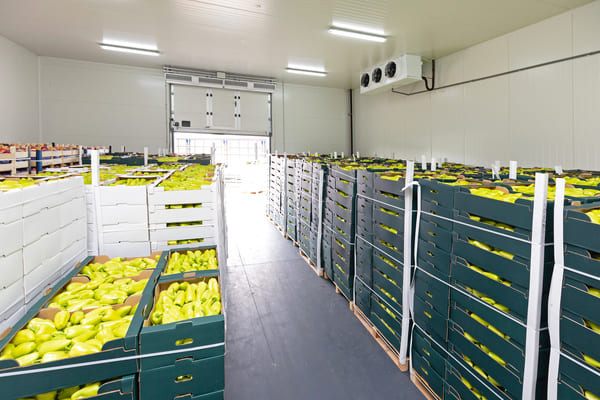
{"x":183,"y":233}
{"x":116,"y":195}
{"x":125,"y":213}
{"x":126,"y":249}
{"x":75,"y":231}
{"x":11,"y":269}
{"x":37,"y":225}
{"x":158,"y":215}
{"x":11,"y":299}
{"x":11,"y":206}
{"x":124,"y":233}
{"x":12,"y":237}
{"x":163,"y":246}
{"x":158,"y":195}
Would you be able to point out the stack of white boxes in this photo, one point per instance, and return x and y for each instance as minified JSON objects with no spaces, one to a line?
{"x":54,"y":232}
{"x":43,"y":230}
{"x":122,"y":214}
{"x":202,"y":205}
{"x":12,"y":297}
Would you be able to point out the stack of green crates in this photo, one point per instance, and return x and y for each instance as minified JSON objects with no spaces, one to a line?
{"x":342,"y":242}
{"x":490,"y":287}
{"x":579,"y":365}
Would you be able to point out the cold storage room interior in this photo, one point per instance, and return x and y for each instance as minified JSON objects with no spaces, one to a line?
{"x":258,"y":199}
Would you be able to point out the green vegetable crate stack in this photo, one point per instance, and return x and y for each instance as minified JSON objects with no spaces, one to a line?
{"x":122,"y":329}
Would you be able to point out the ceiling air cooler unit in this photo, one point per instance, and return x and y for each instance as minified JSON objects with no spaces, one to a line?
{"x":394,"y":73}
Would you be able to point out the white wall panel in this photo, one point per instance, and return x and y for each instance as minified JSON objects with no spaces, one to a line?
{"x":544,"y":116}
{"x":19,"y":105}
{"x":545,"y":41}
{"x":586,"y":118}
{"x":315,"y":119}
{"x":541,"y":115}
{"x":586,"y":28}
{"x":486,"y":114}
{"x":487,"y":58}
{"x":447,"y":124}
{"x":449,"y":69}
{"x":416,"y":125}
{"x":102,"y":104}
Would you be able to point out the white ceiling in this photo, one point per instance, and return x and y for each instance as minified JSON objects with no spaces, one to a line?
{"x":261,"y":37}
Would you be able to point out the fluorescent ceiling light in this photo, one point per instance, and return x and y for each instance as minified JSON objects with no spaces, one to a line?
{"x":128,"y":49}
{"x":357,"y":35}
{"x":305,"y":72}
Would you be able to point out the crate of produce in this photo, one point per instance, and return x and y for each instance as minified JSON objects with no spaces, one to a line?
{"x":440,"y":215}
{"x":362,"y":297}
{"x":125,"y":388}
{"x":327,"y":259}
{"x":344,"y":200}
{"x":66,"y":352}
{"x":580,"y":318}
{"x":171,"y":213}
{"x":421,"y":365}
{"x":432,"y":352}
{"x":388,"y":239}
{"x":430,"y":230}
{"x":344,"y":226}
{"x":499,"y":205}
{"x":430,"y":320}
{"x":510,"y":267}
{"x":435,"y":293}
{"x":188,"y":262}
{"x":345,"y":185}
{"x":342,"y":283}
{"x":346,"y":172}
{"x":433,"y":259}
{"x":466,"y":345}
{"x":364,"y":208}
{"x":387,"y":319}
{"x":199,"y":321}
{"x":514,"y":297}
{"x":577,"y":381}
{"x":364,"y":262}
{"x":388,"y":189}
{"x":387,"y":288}
{"x":582,"y":226}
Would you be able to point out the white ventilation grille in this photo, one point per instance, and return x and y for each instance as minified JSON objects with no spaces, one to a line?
{"x":211,"y":79}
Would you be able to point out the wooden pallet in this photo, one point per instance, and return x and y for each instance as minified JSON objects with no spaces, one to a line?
{"x":310,"y":263}
{"x":339,"y":291}
{"x":422,"y":386}
{"x":380,"y":339}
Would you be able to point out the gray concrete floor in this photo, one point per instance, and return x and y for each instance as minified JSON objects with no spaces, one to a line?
{"x":289,"y":335}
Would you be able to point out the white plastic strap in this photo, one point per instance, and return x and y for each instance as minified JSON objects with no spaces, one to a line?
{"x":95,"y":162}
{"x":536,"y":277}
{"x":108,"y":361}
{"x":408,"y":203}
{"x":512,"y":170}
{"x":554,"y":296}
{"x":145,"y":156}
{"x":320,"y":224}
{"x":424,"y":162}
{"x":433,"y":164}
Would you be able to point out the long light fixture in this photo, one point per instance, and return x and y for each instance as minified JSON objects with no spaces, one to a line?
{"x":305,"y":72}
{"x":356,"y":34}
{"x":128,"y":49}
